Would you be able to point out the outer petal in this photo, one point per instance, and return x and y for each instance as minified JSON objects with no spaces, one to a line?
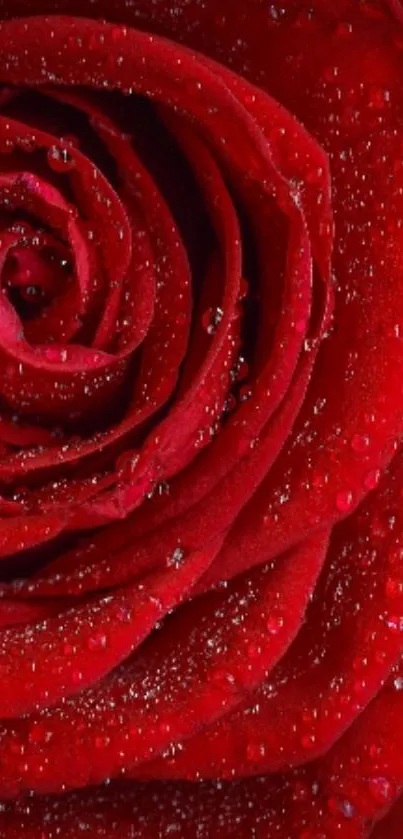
{"x":338,"y":663}
{"x":204,"y":662}
{"x":46,"y":661}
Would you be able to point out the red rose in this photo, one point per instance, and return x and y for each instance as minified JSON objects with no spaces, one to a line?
{"x":201,"y":343}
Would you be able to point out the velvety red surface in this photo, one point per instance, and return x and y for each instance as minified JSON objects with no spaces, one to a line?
{"x":201,"y":411}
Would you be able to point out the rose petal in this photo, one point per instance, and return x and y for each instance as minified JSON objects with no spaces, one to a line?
{"x":391,"y":826}
{"x":124,"y":619}
{"x":338,"y":663}
{"x":150,"y":690}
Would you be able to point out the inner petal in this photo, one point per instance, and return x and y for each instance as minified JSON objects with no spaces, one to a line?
{"x":33,"y":277}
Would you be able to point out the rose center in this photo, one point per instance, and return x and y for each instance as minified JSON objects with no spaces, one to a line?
{"x":33,"y":276}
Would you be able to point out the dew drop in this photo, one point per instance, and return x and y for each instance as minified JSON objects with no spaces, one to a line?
{"x":346,"y":808}
{"x":60,"y":159}
{"x":254,"y":651}
{"x":124,"y":614}
{"x":308,"y":741}
{"x":17,"y":748}
{"x":27,"y":144}
{"x":360,"y":663}
{"x":360,"y":443}
{"x":211,"y":319}
{"x":378,"y":97}
{"x":97,"y":642}
{"x":175,"y":560}
{"x":309,"y":716}
{"x":343,"y":30}
{"x":255,"y":752}
{"x":344,"y":500}
{"x":300,"y":791}
{"x":242,"y":370}
{"x":380,"y":656}
{"x":330,"y":74}
{"x":395,"y":624}
{"x":126,"y":465}
{"x":381,"y":790}
{"x":371,"y":479}
{"x":118,"y":33}
{"x":245,"y":393}
{"x":224,"y":679}
{"x":274,"y":624}
{"x":164,"y":727}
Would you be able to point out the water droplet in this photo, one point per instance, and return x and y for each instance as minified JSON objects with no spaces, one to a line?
{"x":245,"y":393}
{"x":176,"y":558}
{"x":60,"y":159}
{"x":254,"y":651}
{"x":118,"y":33}
{"x":359,"y":686}
{"x":371,"y":479}
{"x":381,"y":790}
{"x":395,"y":624}
{"x":164,"y":727}
{"x":224,"y":679}
{"x":344,"y":500}
{"x":274,"y":624}
{"x":126,"y":465}
{"x":97,"y":642}
{"x":330,"y":74}
{"x":343,"y":30}
{"x":378,"y":98}
{"x":308,"y":741}
{"x":211,"y":319}
{"x":360,"y":443}
{"x":242,"y":370}
{"x":124,"y":614}
{"x":255,"y":752}
{"x":308,"y":716}
{"x":360,"y":663}
{"x":32,"y":291}
{"x":300,"y":791}
{"x":17,"y":748}
{"x":27,"y":144}
{"x":337,"y":805}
